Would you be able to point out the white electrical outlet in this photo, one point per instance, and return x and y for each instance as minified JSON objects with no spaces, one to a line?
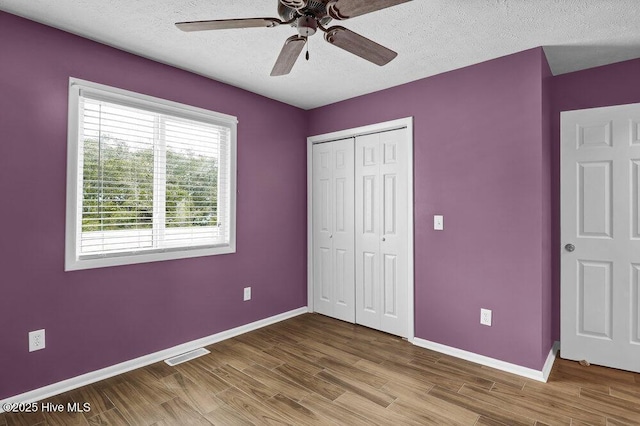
{"x":36,"y":340}
{"x":485,"y":317}
{"x":247,"y":293}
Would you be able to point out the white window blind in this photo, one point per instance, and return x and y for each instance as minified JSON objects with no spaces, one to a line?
{"x":150,"y":178}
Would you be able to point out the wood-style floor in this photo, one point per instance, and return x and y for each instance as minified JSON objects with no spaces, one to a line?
{"x":314,"y":370}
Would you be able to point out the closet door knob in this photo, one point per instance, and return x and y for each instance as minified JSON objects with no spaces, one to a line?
{"x":330,"y":235}
{"x":383,"y":239}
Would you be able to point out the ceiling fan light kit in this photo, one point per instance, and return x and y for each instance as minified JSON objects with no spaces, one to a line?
{"x":307,"y":25}
{"x":307,"y":16}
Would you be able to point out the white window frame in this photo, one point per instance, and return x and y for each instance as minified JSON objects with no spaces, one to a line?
{"x":74,"y":183}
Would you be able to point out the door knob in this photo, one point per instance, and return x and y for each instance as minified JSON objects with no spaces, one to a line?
{"x":330,"y":235}
{"x":569,"y":247}
{"x":383,"y":239}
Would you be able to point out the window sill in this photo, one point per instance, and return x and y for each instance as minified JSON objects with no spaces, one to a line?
{"x":75,"y":264}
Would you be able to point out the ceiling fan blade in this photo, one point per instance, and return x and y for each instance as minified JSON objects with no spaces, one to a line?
{"x":288,"y":55}
{"x":345,"y":9}
{"x":295,"y":4}
{"x":227,"y":24}
{"x":359,"y":45}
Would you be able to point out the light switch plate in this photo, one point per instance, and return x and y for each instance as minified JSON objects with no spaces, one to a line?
{"x":438,"y":222}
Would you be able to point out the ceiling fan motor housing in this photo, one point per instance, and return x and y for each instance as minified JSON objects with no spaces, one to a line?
{"x":288,"y":10}
{"x":294,"y":4}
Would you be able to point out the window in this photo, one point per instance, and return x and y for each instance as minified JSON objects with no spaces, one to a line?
{"x":147,"y":179}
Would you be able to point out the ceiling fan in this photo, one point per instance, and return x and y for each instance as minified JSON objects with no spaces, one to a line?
{"x":308,"y":16}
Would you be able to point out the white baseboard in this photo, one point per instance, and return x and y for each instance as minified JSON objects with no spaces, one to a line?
{"x":105,"y":373}
{"x":548,"y":364}
{"x":539,"y":375}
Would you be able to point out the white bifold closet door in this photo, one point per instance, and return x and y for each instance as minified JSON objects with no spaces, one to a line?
{"x":381,"y":231}
{"x":333,"y":229}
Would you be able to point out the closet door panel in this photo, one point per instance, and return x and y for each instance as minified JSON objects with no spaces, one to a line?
{"x":381,"y":232}
{"x":343,"y":230}
{"x":333,"y":228}
{"x":368,"y":227}
{"x":322,"y":228}
{"x":393,"y":238}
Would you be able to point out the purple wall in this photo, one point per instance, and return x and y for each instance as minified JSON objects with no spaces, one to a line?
{"x":101,"y":317}
{"x":479,"y":160}
{"x":550,"y":320}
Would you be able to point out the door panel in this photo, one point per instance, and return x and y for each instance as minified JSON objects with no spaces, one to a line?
{"x":322,"y":226}
{"x":390,"y":153}
{"x":342,"y":288}
{"x":325,"y":205}
{"x":368,"y":204}
{"x":393,"y":244}
{"x":367,"y":240}
{"x":369,"y":154}
{"x":324,"y":271}
{"x":381,"y":235}
{"x":634,"y":131}
{"x":594,"y":300}
{"x":390,"y":275}
{"x":599,"y":216}
{"x":341,"y":213}
{"x":369,"y":283}
{"x":596,"y":135}
{"x":594,"y":186}
{"x":635,"y":303}
{"x":390,"y":205}
{"x":635,"y":198}
{"x":333,"y":222}
{"x":343,"y":230}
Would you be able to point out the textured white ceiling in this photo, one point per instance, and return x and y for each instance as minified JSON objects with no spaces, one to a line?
{"x":430,"y":36}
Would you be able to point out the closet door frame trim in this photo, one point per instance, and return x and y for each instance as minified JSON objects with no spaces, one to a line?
{"x":353,"y":133}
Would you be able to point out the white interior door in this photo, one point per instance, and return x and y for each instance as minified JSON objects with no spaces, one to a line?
{"x":381,"y":193}
{"x":600,"y":220}
{"x":333,"y":229}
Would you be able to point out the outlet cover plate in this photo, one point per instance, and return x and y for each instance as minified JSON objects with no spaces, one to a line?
{"x":36,"y":340}
{"x":485,"y":317}
{"x":247,"y":293}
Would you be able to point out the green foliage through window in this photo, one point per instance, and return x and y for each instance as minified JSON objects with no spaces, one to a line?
{"x":118,"y":185}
